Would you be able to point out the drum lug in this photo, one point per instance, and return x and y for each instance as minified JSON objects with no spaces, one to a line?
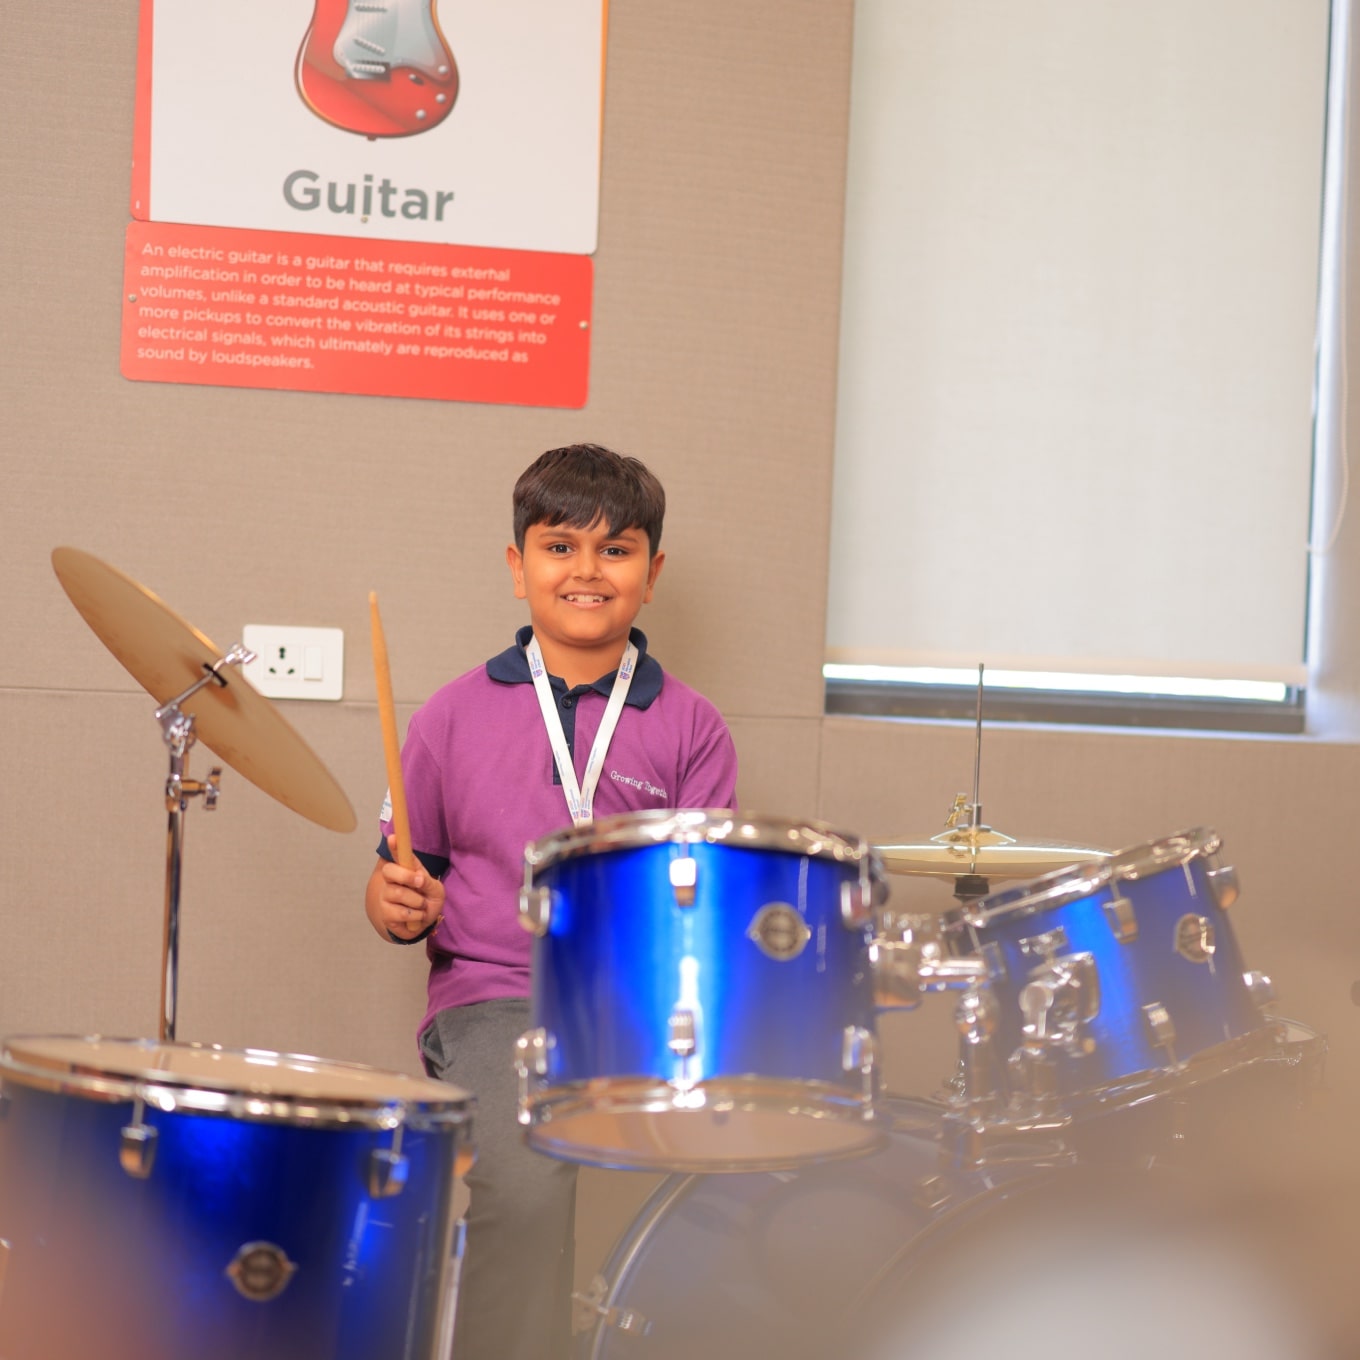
{"x":857,"y":898}
{"x":388,"y":1169}
{"x":857,"y":1055}
{"x":1161,"y":1028}
{"x":683,"y":1033}
{"x":531,"y":1061}
{"x":589,"y":1310}
{"x":535,"y":909}
{"x":137,"y":1145}
{"x":1259,"y":988}
{"x":684,"y":876}
{"x":1223,"y":885}
{"x":1122,"y":918}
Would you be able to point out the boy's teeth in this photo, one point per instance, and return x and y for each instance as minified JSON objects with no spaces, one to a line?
{"x":585,"y":597}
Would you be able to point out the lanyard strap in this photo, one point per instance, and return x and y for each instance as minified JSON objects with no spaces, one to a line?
{"x":580,"y":797}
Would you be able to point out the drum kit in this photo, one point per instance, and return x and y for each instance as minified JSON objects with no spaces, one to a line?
{"x":707,"y":986}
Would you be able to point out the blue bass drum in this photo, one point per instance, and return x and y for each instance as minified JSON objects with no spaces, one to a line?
{"x":185,"y":1200}
{"x":702,"y":993}
{"x":910,"y":1254}
{"x":1112,"y":979}
{"x":786,"y":1263}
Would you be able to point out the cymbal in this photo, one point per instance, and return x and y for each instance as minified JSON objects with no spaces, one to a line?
{"x":166,"y":656}
{"x":984,"y":852}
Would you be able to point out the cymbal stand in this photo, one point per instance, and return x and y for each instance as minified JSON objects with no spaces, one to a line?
{"x":969,"y":887}
{"x":177,"y":730}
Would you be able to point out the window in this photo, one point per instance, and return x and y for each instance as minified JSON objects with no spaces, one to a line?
{"x":1075,"y":414}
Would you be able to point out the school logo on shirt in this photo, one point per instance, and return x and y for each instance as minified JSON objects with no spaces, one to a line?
{"x":386,"y":814}
{"x":644,"y":784}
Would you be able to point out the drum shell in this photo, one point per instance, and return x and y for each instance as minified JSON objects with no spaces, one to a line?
{"x":151,"y":1255}
{"x":779,"y":1263}
{"x":1208,"y":1001}
{"x":608,"y":972}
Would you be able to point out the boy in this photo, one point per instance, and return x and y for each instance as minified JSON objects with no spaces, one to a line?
{"x":505,"y":755}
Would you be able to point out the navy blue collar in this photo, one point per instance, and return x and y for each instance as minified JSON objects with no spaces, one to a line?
{"x":511,"y":667}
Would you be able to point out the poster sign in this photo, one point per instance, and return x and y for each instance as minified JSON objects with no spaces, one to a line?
{"x":407,"y":143}
{"x":233,"y":308}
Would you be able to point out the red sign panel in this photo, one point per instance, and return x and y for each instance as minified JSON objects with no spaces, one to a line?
{"x":228,"y":307}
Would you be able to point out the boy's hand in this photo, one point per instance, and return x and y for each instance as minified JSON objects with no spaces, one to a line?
{"x":409,"y":900}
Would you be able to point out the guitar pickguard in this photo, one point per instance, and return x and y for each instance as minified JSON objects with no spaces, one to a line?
{"x":379,"y":68}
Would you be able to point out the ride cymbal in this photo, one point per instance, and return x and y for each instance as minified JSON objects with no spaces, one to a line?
{"x":166,"y":656}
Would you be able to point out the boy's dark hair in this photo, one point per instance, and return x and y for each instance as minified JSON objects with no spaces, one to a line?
{"x":584,"y":483}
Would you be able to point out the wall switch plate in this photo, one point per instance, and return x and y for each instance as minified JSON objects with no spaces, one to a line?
{"x":295,"y":663}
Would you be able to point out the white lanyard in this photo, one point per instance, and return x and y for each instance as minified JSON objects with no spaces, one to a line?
{"x":580,"y":798}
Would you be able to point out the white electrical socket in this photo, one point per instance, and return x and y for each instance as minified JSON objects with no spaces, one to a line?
{"x":295,"y":663}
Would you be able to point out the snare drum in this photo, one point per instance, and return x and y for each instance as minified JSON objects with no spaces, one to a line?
{"x":702,"y":994}
{"x":1110,"y":974}
{"x":180,"y":1199}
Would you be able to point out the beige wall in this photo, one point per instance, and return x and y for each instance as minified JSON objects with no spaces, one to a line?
{"x":713,"y":358}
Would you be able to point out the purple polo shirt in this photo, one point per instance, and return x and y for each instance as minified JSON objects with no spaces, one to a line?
{"x":481,"y":785}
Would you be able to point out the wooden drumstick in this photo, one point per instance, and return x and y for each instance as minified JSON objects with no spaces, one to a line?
{"x":387,"y":714}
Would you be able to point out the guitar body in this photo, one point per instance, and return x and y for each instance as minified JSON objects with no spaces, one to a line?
{"x":378,"y":68}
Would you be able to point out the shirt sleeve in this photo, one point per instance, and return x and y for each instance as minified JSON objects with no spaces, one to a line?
{"x":709,"y":780}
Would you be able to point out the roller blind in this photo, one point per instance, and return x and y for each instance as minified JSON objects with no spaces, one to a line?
{"x":1074,"y":423}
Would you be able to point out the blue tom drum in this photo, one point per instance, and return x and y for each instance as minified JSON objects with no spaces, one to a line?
{"x":1112,"y":977}
{"x":702,"y":992}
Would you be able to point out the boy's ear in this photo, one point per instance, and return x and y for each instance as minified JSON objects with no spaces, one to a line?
{"x":514,"y":559}
{"x":653,"y":571}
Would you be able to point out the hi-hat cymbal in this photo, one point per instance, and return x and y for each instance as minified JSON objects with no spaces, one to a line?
{"x":166,"y":656}
{"x":981,"y":851}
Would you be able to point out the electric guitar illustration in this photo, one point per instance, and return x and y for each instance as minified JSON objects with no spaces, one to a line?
{"x":380,"y":68}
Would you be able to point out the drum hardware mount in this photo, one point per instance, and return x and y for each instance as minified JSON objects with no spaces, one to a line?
{"x":177,"y":731}
{"x":589,"y":1310}
{"x":1061,"y":996}
{"x":531,"y":1060}
{"x":1045,"y":946}
{"x":137,"y":1144}
{"x":388,"y":1169}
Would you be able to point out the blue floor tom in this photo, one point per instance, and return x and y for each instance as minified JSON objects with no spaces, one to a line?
{"x":171,"y":1199}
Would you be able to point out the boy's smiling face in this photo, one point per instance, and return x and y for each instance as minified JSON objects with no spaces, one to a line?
{"x":584,"y":588}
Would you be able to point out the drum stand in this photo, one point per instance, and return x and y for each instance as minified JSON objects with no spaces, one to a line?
{"x":177,"y":729}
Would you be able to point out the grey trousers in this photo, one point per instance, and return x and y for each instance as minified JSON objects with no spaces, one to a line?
{"x":514,"y":1294}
